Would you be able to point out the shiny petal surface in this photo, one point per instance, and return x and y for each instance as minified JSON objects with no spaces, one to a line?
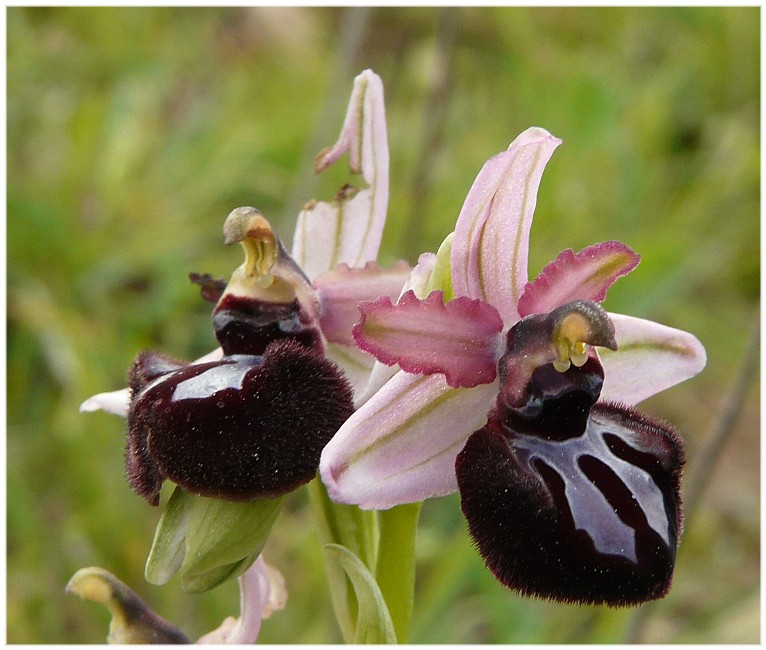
{"x":582,"y":276}
{"x":589,"y":519}
{"x":489,"y":252}
{"x":343,"y":288}
{"x":649,"y":359}
{"x":349,"y":229}
{"x":118,"y":401}
{"x":458,"y":339}
{"x":400,"y":447}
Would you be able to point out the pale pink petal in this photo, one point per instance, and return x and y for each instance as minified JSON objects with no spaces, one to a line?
{"x":489,"y":252}
{"x":343,"y":288}
{"x":421,"y":274}
{"x":400,"y":447}
{"x":261,"y":591}
{"x":649,"y":359}
{"x":583,"y":276}
{"x":349,"y":229}
{"x":118,"y":401}
{"x":458,"y":339}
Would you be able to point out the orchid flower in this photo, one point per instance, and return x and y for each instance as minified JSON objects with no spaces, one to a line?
{"x":270,"y":298}
{"x":518,"y":394}
{"x":245,"y":424}
{"x":262,"y":591}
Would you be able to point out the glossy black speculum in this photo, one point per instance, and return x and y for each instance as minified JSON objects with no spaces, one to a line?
{"x":250,"y":425}
{"x":570,"y":499}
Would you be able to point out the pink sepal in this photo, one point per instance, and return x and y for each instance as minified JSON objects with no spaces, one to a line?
{"x":349,"y":228}
{"x":650,"y":358}
{"x":491,"y":245}
{"x":458,"y":339}
{"x":400,"y":447}
{"x":583,"y":276}
{"x":343,"y":288}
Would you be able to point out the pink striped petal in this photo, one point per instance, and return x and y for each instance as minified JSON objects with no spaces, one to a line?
{"x":343,"y":288}
{"x":458,"y":339}
{"x":649,"y":359}
{"x":583,"y":276}
{"x":489,"y":252}
{"x":400,"y":447}
{"x":348,"y":230}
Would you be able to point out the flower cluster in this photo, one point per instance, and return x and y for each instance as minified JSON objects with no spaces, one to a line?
{"x":517,"y":393}
{"x":403,"y":384}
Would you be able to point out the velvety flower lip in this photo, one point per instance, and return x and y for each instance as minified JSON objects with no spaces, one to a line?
{"x":415,"y":425}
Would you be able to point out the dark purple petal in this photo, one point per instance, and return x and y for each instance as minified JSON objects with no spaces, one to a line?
{"x":244,"y":427}
{"x":591,"y":519}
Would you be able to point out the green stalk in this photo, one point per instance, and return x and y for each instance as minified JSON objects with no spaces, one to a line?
{"x":395,"y":572}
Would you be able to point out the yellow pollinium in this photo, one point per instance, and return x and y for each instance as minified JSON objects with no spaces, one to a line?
{"x":570,"y":338}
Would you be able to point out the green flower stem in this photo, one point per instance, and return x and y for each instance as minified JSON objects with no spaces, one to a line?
{"x":354,"y":529}
{"x":395,"y":571}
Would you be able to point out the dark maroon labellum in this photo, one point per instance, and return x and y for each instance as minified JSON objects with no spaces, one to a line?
{"x":243,"y":427}
{"x":572,"y":500}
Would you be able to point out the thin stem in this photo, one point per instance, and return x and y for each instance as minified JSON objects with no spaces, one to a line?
{"x":699,"y":476}
{"x":396,"y":564}
{"x":434,"y":124}
{"x":352,"y":33}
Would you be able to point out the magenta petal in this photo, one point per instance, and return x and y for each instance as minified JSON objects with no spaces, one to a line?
{"x":489,"y":252}
{"x":400,"y":446}
{"x":458,"y":339}
{"x":343,"y":288}
{"x":583,"y":276}
{"x":649,"y":359}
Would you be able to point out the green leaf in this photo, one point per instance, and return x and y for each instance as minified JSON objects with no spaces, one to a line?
{"x":373,"y":623}
{"x":208,"y":540}
{"x":222,"y":533}
{"x":169,"y":545}
{"x":354,"y":529}
{"x":201,"y":582}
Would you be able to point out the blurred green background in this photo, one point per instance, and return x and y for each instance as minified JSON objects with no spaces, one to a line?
{"x":132,"y":132}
